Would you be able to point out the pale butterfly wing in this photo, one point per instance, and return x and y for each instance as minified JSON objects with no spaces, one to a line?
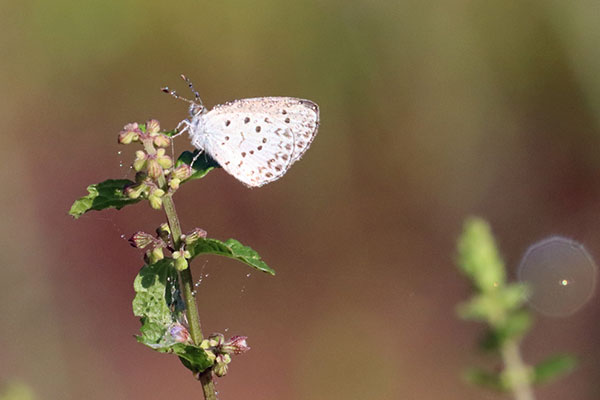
{"x":301,"y":116}
{"x":255,"y":152}
{"x":257,"y":140}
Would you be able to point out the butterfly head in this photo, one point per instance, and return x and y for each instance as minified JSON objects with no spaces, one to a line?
{"x":196,"y":109}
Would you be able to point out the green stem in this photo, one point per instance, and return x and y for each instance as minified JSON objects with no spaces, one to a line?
{"x":185,"y":276}
{"x":518,"y":371}
{"x":187,"y":282}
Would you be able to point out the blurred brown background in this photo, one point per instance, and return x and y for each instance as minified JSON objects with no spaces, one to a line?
{"x":431,"y":111}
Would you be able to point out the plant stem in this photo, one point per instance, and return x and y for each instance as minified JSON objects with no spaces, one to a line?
{"x":187,"y":281}
{"x":517,"y":369}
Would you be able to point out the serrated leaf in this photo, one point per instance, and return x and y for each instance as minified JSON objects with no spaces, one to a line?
{"x":159,"y":305}
{"x":553,"y":367}
{"x":230,"y":248}
{"x":157,"y":293}
{"x":200,"y":167}
{"x":483,"y":378}
{"x":107,"y":194}
{"x":194,"y":358}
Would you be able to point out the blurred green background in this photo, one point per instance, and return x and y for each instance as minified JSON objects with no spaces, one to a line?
{"x":430,"y":110}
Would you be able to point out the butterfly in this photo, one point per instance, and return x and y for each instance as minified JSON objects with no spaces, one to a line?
{"x":256,"y":140}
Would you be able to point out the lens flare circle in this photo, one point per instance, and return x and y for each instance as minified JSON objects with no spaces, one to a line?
{"x":561,"y":275}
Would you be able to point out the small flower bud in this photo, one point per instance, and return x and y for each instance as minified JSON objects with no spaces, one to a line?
{"x":164,"y":231}
{"x":182,"y":172}
{"x":155,"y":198}
{"x":194,"y":235}
{"x":221,"y":365}
{"x":179,"y":333}
{"x":156,"y":254}
{"x":155,"y":202}
{"x":163,"y":160}
{"x":174,"y":183}
{"x":216,"y":339}
{"x":152,"y":127}
{"x":162,"y":140}
{"x":133,"y":192}
{"x":181,"y":264}
{"x":128,"y":137}
{"x":141,"y":239}
{"x":154,"y":169}
{"x":235,"y":345}
{"x":140,"y":160}
{"x":130,"y":133}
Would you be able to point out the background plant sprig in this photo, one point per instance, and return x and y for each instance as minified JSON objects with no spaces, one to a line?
{"x":501,"y":305}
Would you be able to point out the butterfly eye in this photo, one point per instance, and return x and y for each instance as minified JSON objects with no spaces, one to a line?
{"x":196,"y":109}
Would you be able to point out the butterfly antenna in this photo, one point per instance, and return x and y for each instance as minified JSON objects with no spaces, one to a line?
{"x":197,"y":98}
{"x":174,"y":94}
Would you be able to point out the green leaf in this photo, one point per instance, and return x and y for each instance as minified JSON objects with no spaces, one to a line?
{"x":194,"y":358}
{"x":107,"y":194}
{"x":159,"y":305}
{"x":483,"y":378}
{"x":168,"y":133}
{"x":200,"y":167}
{"x":157,"y":293}
{"x":553,"y":367}
{"x":230,"y":248}
{"x":478,"y":256}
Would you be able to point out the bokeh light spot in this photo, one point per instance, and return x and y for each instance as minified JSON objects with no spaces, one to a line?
{"x":561,"y":274}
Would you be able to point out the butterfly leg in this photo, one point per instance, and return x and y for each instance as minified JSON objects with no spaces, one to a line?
{"x":195,"y":158}
{"x":186,"y":128}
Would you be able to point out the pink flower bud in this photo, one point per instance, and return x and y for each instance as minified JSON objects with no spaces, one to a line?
{"x":182,"y":172}
{"x":165,"y":161}
{"x":221,"y":365}
{"x":179,"y":333}
{"x":140,"y":160}
{"x":130,"y":133}
{"x":162,"y":140}
{"x":235,"y":345}
{"x":152,"y":127}
{"x":154,"y":169}
{"x":141,"y":240}
{"x":194,"y":235}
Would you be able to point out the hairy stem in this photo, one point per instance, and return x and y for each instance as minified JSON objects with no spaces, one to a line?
{"x":187,"y":281}
{"x":517,"y":371}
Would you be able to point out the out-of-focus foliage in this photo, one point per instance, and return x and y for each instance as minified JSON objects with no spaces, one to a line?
{"x":16,"y":391}
{"x":501,"y":306}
